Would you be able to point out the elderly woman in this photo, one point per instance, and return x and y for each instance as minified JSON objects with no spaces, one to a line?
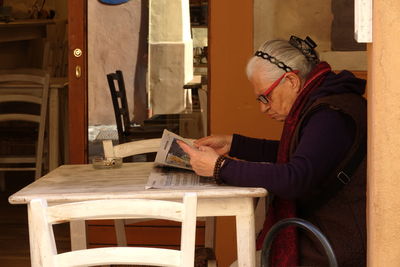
{"x":317,"y":169}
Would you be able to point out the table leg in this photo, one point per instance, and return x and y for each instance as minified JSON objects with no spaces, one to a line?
{"x":35,"y":257}
{"x":246,"y":243}
{"x":78,"y":235}
{"x":53,"y":129}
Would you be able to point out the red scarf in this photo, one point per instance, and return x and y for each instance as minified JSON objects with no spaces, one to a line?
{"x":284,"y":248}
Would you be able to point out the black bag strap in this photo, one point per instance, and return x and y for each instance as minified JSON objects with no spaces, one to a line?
{"x":336,"y":182}
{"x":344,"y":176}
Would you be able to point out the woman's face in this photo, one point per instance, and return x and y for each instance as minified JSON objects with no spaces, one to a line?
{"x":281,"y":98}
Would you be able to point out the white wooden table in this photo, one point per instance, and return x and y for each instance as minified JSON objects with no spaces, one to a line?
{"x":69,"y":183}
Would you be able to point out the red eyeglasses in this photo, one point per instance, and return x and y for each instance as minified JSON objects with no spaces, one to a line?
{"x":264,"y":97}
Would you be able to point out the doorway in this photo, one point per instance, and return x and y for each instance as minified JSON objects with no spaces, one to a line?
{"x":118,"y":39}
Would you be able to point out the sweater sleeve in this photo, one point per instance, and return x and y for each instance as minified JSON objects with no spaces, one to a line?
{"x":253,"y":149}
{"x":324,"y":141}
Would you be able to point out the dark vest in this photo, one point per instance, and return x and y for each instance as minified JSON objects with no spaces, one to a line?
{"x":338,"y":205}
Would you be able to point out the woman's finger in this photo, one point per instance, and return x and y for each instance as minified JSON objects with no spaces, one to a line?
{"x":205,"y":148}
{"x":203,"y":141}
{"x":185,"y":147}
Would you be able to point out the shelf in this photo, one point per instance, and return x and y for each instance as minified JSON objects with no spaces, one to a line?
{"x":202,"y":65}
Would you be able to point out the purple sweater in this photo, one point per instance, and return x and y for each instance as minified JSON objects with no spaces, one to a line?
{"x":324,"y":141}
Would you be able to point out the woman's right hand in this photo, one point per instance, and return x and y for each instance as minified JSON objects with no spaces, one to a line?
{"x":220,"y":143}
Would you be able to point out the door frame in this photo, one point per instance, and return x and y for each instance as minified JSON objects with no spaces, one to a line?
{"x":78,"y":86}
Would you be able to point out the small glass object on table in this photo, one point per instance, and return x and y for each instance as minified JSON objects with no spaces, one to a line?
{"x":106,"y":163}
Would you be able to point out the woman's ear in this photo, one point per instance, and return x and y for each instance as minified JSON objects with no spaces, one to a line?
{"x":294,"y":81}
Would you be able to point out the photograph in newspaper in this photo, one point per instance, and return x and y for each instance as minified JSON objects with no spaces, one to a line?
{"x":176,"y":156}
{"x":171,"y":154}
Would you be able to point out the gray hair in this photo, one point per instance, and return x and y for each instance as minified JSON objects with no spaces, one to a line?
{"x":283,"y":51}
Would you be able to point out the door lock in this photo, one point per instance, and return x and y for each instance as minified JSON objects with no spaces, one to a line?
{"x":77,"y":52}
{"x":78,"y":71}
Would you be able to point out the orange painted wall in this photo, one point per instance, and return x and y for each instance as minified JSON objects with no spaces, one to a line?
{"x":233,"y":108}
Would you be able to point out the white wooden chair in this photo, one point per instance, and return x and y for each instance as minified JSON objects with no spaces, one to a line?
{"x":125,"y":150}
{"x":142,"y":147}
{"x":131,"y":148}
{"x":43,"y":217}
{"x":23,"y":96}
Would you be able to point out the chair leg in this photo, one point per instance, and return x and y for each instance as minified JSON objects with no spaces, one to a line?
{"x":120,"y":233}
{"x":211,"y":263}
{"x":204,"y":257}
{"x":209,"y":232}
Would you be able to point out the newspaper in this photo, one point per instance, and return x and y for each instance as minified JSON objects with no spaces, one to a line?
{"x":166,"y":177}
{"x":173,"y":167}
{"x":171,"y":154}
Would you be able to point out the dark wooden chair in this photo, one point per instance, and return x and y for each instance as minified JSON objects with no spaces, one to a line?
{"x":127,"y":130}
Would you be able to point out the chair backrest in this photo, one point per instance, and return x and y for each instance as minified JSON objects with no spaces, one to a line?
{"x":304,"y":225}
{"x":42,"y":236}
{"x":120,"y":103}
{"x":131,"y":148}
{"x":25,"y":96}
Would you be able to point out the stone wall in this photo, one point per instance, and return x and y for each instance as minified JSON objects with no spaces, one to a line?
{"x":170,"y":55}
{"x":113,"y":41}
{"x":113,"y":35}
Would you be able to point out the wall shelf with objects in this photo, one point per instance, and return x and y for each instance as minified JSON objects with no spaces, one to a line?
{"x":199,"y":28}
{"x":198,"y":12}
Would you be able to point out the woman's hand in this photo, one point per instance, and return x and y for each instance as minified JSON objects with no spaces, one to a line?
{"x":219,"y":143}
{"x":202,"y":158}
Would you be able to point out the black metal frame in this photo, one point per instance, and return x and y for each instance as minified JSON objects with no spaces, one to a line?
{"x":304,"y":225}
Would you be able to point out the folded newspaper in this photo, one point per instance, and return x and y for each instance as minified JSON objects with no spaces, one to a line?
{"x":171,"y":154}
{"x":173,"y":167}
{"x":166,"y":177}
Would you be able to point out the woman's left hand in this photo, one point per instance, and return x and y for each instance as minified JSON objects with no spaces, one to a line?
{"x":202,"y":158}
